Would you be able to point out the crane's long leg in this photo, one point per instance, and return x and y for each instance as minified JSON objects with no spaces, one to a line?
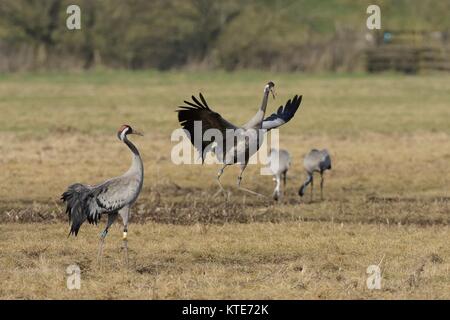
{"x":219,"y":174}
{"x":125,"y":214}
{"x":321,"y":186}
{"x":243,"y":166}
{"x":312,"y":188}
{"x":111,"y":218}
{"x":276,"y":192}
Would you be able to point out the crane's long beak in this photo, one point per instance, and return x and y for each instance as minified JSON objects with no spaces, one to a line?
{"x":138,"y":133}
{"x":272,"y":90}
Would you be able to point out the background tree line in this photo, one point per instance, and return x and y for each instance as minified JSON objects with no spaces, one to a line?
{"x":282,"y":35}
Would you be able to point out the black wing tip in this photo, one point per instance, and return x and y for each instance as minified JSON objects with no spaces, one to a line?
{"x":204,"y":100}
{"x":295,"y":102}
{"x":201,"y":104}
{"x":194,"y":105}
{"x":299,"y":100}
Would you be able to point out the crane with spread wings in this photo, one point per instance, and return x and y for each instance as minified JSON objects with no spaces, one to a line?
{"x":232,"y":144}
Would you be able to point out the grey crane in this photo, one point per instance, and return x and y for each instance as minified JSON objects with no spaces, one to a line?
{"x":315,"y":161}
{"x":113,"y":197}
{"x":232,"y":144}
{"x":279,"y":164}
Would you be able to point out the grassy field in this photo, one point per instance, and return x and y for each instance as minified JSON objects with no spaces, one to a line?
{"x":387,"y":198}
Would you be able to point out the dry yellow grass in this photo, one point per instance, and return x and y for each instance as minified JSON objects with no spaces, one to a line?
{"x":388,"y":136}
{"x":244,"y":261}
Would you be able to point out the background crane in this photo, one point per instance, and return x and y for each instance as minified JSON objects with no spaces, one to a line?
{"x":315,"y":161}
{"x":279,"y":163}
{"x":233,"y":145}
{"x":113,"y":197}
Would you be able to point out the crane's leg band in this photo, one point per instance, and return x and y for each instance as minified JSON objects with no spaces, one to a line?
{"x":103,"y":234}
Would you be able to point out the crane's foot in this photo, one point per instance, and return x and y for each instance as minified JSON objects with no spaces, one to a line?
{"x":222,"y":190}
{"x":276,"y":196}
{"x":252,"y":192}
{"x":225,"y":193}
{"x":248,"y":190}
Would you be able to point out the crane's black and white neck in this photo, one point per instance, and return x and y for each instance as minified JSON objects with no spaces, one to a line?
{"x":256,"y":121}
{"x":122,"y":134}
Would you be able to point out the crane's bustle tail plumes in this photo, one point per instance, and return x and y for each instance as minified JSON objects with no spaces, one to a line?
{"x":77,"y":207}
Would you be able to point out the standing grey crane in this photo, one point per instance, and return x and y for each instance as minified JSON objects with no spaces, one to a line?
{"x":279,"y":163}
{"x":315,"y":161}
{"x":233,"y":145}
{"x":113,"y":197}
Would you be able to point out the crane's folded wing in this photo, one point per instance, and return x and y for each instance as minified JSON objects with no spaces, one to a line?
{"x":111,"y":195}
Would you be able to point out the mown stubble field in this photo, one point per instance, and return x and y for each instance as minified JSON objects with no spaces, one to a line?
{"x":386,"y":200}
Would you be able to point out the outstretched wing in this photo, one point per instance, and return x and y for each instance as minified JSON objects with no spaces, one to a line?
{"x":198,"y":113}
{"x":282,"y":115}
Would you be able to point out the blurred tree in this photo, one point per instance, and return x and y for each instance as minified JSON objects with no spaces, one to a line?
{"x":163,"y":34}
{"x":32,"y":21}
